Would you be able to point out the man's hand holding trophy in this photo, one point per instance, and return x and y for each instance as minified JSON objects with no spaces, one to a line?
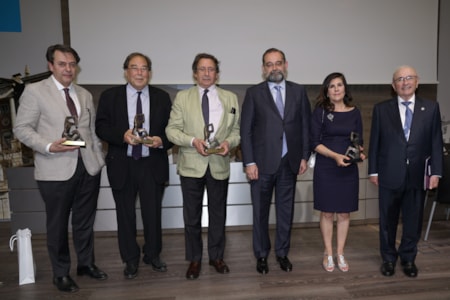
{"x":71,"y":133}
{"x":212,"y":145}
{"x":140,"y":135}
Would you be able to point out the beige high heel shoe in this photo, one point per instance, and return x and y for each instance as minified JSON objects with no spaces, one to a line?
{"x":328,"y":263}
{"x":342,"y":263}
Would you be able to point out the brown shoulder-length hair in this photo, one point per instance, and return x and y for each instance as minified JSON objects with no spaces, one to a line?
{"x":323,"y":100}
{"x":206,"y":56}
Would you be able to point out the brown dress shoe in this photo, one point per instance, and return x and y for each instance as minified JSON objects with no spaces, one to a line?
{"x":194,"y":270}
{"x":220,"y":266}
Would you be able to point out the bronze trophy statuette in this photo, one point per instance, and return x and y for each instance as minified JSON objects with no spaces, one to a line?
{"x":71,"y":133}
{"x":353,"y":151}
{"x":212,"y":146}
{"x":139,"y":132}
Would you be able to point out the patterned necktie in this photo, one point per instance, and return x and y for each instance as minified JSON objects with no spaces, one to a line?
{"x":205,"y":106}
{"x":137,"y":149}
{"x":70,"y":103}
{"x":280,"y":106}
{"x":408,"y":118}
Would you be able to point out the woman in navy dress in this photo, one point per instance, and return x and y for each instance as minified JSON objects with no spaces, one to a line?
{"x":336,"y":182}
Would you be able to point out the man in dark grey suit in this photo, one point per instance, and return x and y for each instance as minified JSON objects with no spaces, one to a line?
{"x":406,"y":130}
{"x":275,"y":146}
{"x":68,"y":176}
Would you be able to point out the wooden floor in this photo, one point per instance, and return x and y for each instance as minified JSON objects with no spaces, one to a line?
{"x":307,"y":280}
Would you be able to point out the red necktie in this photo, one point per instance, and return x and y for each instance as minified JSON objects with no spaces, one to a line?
{"x":70,"y":103}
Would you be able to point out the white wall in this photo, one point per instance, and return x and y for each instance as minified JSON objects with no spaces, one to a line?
{"x":443,"y":91}
{"x":41,"y":27}
{"x":365,"y":39}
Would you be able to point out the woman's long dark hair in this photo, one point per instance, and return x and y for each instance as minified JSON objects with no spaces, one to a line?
{"x":323,"y":100}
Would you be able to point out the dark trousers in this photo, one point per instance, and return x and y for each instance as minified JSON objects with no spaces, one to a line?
{"x":409,"y":202}
{"x":283,"y":181}
{"x":217,"y":191}
{"x":78,"y":195}
{"x":139,"y":181}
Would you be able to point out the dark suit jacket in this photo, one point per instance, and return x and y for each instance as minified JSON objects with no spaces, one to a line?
{"x":262,"y":127}
{"x":112,"y":122}
{"x":392,"y":156}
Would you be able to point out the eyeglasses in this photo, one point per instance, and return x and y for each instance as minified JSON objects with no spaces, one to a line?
{"x":406,"y":78}
{"x":204,"y":70}
{"x":136,"y":69}
{"x":270,"y":64}
{"x":64,"y":65}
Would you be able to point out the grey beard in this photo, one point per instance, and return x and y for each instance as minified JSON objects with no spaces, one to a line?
{"x":276,"y":76}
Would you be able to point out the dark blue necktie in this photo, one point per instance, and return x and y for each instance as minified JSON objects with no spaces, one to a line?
{"x":137,"y":149}
{"x":408,"y":118}
{"x":280,"y":106}
{"x":205,"y":106}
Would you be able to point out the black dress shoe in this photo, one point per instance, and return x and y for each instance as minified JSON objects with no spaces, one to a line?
{"x":285,"y":264}
{"x":388,"y":268}
{"x":194,"y":270}
{"x":65,"y":284}
{"x":410,"y":269}
{"x":130,"y":271}
{"x":157,"y":264}
{"x":92,"y":271}
{"x":220,"y":266}
{"x":262,"y":266}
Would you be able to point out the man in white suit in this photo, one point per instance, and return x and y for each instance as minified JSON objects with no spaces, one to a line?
{"x":68,"y":176}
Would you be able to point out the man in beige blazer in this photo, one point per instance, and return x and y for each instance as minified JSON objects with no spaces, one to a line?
{"x":68,"y":176}
{"x":204,"y":106}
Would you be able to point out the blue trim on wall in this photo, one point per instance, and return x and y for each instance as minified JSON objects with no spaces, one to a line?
{"x":10,"y":16}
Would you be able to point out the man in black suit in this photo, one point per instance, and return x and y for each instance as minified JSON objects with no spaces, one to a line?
{"x":134,"y":167}
{"x":275,"y":147}
{"x":400,"y":142}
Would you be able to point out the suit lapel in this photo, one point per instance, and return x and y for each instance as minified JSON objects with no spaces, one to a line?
{"x":56,"y":97}
{"x":268,"y":99}
{"x":81,"y":100}
{"x":122,"y":107}
{"x":289,"y":103}
{"x":419,"y":110}
{"x":153,"y":107}
{"x":396,"y":121}
{"x":194,"y":105}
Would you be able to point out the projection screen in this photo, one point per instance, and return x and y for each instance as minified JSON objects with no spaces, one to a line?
{"x":365,"y":39}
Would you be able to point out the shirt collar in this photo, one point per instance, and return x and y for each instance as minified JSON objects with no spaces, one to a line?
{"x":131,"y":90}
{"x":59,"y":86}
{"x":412,"y":99}
{"x":273,"y":84}
{"x":210,"y":89}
